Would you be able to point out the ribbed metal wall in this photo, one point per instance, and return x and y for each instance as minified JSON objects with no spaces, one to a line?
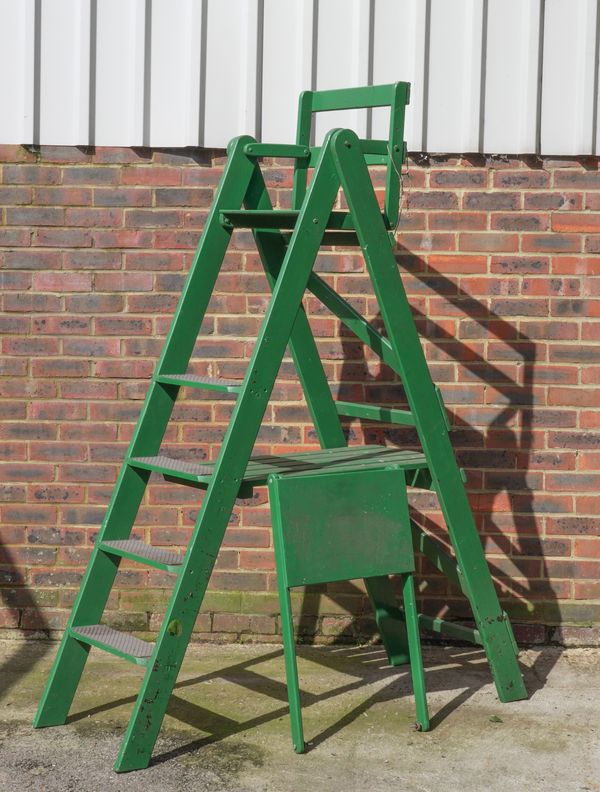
{"x":496,"y":76}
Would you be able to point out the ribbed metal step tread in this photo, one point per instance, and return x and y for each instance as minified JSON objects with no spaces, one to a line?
{"x":175,"y":465}
{"x":260,"y":467}
{"x":216,"y":383}
{"x":144,"y":550}
{"x":121,"y":641}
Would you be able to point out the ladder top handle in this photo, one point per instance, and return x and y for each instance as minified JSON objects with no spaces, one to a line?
{"x":393,"y":95}
{"x":356,"y":98}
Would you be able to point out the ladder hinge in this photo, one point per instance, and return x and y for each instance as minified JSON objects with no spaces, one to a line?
{"x":440,"y":399}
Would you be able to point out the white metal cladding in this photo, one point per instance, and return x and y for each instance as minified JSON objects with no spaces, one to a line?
{"x":494,"y":76}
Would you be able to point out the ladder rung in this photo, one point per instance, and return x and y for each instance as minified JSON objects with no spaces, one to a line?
{"x":145,"y":553}
{"x":279,"y":218}
{"x":374,"y":412}
{"x":199,"y":381}
{"x":118,"y":643}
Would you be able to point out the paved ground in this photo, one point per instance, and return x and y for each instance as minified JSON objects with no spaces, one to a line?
{"x":227,"y":728}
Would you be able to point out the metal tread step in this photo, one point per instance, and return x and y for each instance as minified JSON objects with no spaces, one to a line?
{"x":120,"y":643}
{"x":141,"y":551}
{"x":200,"y":381}
{"x":261,"y":467}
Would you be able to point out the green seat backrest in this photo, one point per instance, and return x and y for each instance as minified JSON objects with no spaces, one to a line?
{"x":391,"y":152}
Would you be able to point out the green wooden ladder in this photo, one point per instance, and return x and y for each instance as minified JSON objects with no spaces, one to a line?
{"x":288,"y":243}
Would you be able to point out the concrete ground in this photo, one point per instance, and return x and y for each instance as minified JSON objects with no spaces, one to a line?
{"x":227,"y":729}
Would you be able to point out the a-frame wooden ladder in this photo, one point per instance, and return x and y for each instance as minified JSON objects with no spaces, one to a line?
{"x":242,"y":201}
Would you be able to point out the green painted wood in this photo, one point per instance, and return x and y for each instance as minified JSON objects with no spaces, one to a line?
{"x":342,"y":526}
{"x":375,"y":413}
{"x":430,"y":420}
{"x":438,"y":556}
{"x":376,"y":152}
{"x":338,"y":526}
{"x":259,"y":468}
{"x":288,"y":260}
{"x":354,"y":98}
{"x":278,"y":218}
{"x":223,"y":488}
{"x":277,"y":150}
{"x":131,"y":483}
{"x":416,"y":658}
{"x":452,"y":629}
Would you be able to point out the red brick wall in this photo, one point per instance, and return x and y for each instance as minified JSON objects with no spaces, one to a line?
{"x":500,"y":260}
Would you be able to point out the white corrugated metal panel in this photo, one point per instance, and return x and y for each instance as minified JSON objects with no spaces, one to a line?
{"x":512,"y":75}
{"x":496,"y":76}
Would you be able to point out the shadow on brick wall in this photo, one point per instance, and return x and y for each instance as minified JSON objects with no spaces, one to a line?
{"x":497,"y":460}
{"x":22,"y":610}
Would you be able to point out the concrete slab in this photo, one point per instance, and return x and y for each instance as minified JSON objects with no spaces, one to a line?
{"x":227,"y":729}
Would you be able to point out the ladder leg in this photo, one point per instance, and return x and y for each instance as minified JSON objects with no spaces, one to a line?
{"x":271,"y":247}
{"x":416,"y":656}
{"x":176,"y":630}
{"x":430,"y":421}
{"x":291,"y":669}
{"x":129,"y":489}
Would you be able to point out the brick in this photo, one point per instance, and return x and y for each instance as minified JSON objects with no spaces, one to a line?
{"x":94,"y":218}
{"x":122,"y":196}
{"x":152,"y":218}
{"x":12,"y":196}
{"x":454,"y":221}
{"x":123,"y":326}
{"x":544,"y":201}
{"x":62,"y":282}
{"x":550,"y":243}
{"x":62,"y":237}
{"x":122,"y":238}
{"x":91,"y":175}
{"x":15,"y":153}
{"x":123,"y":282}
{"x":491,"y":201}
{"x":30,"y":174}
{"x":94,"y":303}
{"x":458,"y":179}
{"x":576,"y":223}
{"x":184,"y":197}
{"x":521,"y":180}
{"x":63,"y":196}
{"x":582,"y":180}
{"x":33,"y":259}
{"x":158,"y":176}
{"x":519,"y":221}
{"x":489,"y":243}
{"x":31,"y":302}
{"x":15,"y":237}
{"x":592,"y":244}
{"x":34,"y":216}
{"x":432,"y":200}
{"x":60,"y":368}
